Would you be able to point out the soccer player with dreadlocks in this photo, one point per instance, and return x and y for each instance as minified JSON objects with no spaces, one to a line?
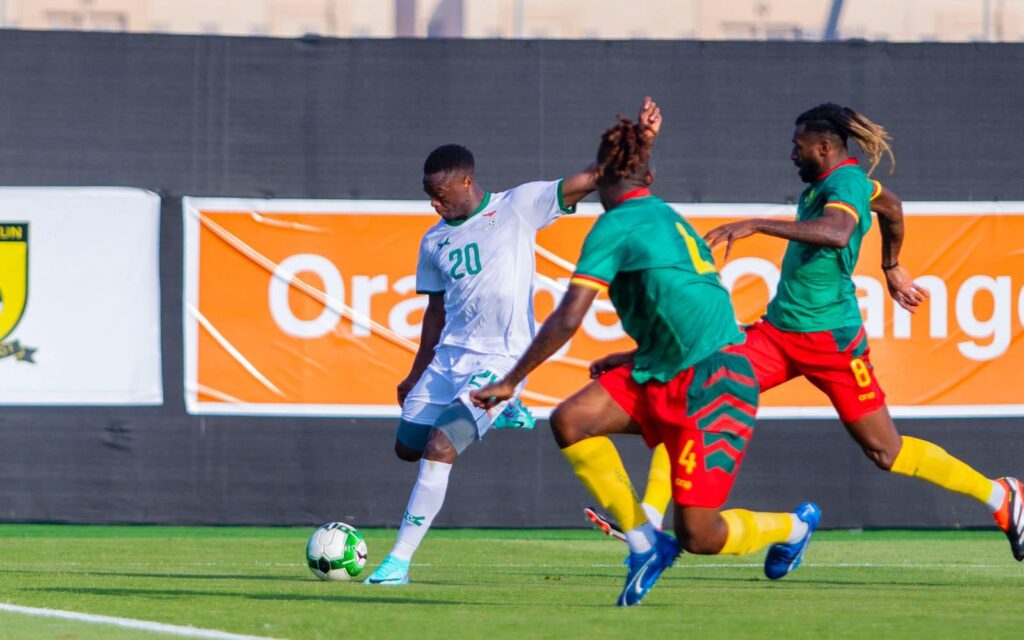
{"x":813,"y":326}
{"x":683,"y":386}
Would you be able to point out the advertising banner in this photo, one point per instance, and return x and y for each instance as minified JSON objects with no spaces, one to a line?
{"x":309,"y":307}
{"x":79,"y":296}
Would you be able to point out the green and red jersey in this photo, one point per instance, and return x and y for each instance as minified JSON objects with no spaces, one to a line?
{"x":816,"y":290}
{"x":661,"y":278}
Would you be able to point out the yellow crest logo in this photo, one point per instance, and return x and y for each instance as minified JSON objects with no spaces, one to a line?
{"x":13,"y":286}
{"x":13,"y":275}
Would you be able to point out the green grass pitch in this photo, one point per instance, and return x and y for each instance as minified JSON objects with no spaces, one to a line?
{"x":506,"y":584}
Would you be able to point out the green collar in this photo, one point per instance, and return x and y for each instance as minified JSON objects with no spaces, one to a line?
{"x":480,"y":207}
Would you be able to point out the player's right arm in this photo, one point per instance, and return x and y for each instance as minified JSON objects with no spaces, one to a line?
{"x":430,"y":280}
{"x":577,"y":187}
{"x":902,"y":288}
{"x":433,"y":324}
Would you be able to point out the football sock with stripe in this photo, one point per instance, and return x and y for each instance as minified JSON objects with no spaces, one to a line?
{"x":424,"y":504}
{"x":597,"y":464}
{"x":922,"y":459}
{"x":659,"y":487}
{"x":752,"y":530}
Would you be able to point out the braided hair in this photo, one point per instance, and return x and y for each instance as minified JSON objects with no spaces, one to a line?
{"x":845,"y":123}
{"x":624,"y":152}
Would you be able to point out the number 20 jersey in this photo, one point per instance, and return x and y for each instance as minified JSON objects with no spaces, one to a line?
{"x":485,"y":266}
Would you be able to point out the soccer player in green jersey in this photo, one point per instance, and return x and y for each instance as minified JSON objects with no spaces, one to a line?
{"x":683,"y":386}
{"x":813,"y":324}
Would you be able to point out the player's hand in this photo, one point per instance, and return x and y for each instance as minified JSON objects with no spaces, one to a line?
{"x":907,"y":293}
{"x":609,"y":362}
{"x":404,"y":387}
{"x":649,"y":120}
{"x":729,"y":233}
{"x":492,"y":394}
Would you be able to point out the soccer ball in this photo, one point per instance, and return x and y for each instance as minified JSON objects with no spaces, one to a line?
{"x":336,"y":551}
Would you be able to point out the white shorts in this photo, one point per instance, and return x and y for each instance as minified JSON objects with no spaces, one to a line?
{"x":451,"y":375}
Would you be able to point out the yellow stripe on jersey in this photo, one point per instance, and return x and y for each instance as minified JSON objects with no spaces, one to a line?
{"x":877,"y":190}
{"x":590,"y":283}
{"x":845,"y":207}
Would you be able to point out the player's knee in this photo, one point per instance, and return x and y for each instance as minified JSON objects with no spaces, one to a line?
{"x":439,"y":448}
{"x":883,"y":458}
{"x":406,"y":453}
{"x":565,"y":429}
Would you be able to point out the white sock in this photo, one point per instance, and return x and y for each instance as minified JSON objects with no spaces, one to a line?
{"x":799,"y":529}
{"x":425,"y":502}
{"x":641,"y":539}
{"x":995,"y":501}
{"x":654,"y":516}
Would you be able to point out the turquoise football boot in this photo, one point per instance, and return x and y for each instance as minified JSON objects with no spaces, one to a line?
{"x":515,"y":415}
{"x":390,"y":572}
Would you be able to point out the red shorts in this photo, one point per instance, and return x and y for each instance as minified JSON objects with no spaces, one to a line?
{"x":837,"y":362}
{"x":705,"y":417}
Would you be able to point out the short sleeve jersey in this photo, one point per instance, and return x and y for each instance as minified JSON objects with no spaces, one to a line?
{"x":662,"y":281}
{"x":816,"y":290}
{"x":485,"y":264}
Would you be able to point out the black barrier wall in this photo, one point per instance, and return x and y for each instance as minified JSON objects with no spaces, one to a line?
{"x":323,"y":118}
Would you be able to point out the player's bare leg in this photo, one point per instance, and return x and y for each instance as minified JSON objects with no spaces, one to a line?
{"x":406,"y":453}
{"x":877,"y":435}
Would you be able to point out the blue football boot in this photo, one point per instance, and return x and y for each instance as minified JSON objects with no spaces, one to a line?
{"x":784,"y":558}
{"x":644,"y":569}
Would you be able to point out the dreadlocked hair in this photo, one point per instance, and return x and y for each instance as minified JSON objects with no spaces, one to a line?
{"x":623,"y":153}
{"x":844,"y":122}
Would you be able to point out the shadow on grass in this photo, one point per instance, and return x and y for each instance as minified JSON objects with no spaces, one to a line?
{"x":412,"y":599}
{"x":173,"y":576}
{"x":805,"y":583}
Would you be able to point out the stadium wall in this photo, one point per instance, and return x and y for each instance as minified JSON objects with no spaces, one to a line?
{"x":321,"y":118}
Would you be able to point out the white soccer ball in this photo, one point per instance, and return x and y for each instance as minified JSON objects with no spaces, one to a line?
{"x":336,"y":551}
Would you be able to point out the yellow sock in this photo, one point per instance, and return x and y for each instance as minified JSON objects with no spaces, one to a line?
{"x":751,"y":530}
{"x":659,"y":480}
{"x":597,"y":464}
{"x":922,"y":459}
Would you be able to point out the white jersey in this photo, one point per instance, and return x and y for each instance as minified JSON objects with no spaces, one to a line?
{"x":485,"y":266}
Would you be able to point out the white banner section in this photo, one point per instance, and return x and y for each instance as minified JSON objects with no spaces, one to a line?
{"x":79,"y":296}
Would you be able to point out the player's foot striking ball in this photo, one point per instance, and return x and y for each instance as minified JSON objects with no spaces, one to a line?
{"x":392,"y":571}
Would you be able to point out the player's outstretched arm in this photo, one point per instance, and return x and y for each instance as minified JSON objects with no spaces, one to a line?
{"x":832,"y":229}
{"x":558,"y":328}
{"x":902,"y":287}
{"x":430,"y":334}
{"x":578,"y":186}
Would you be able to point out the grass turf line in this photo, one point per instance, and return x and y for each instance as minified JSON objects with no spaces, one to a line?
{"x":508,"y":583}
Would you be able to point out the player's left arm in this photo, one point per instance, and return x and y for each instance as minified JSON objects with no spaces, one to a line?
{"x":832,"y":228}
{"x":556,"y":331}
{"x":889,"y":208}
{"x":577,"y":187}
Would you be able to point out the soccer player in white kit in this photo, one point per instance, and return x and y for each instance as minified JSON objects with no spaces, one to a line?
{"x":477,"y":266}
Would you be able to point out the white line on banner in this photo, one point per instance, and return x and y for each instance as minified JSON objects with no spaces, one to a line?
{"x":127,"y":623}
{"x":233,"y":352}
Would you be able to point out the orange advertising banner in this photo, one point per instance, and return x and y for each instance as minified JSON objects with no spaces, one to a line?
{"x":308,"y":307}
